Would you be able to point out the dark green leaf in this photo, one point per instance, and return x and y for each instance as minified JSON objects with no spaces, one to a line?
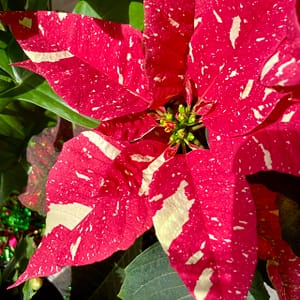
{"x":122,"y":11}
{"x":37,"y":5}
{"x":150,"y":277}
{"x":289,"y":218}
{"x":34,"y":89}
{"x":102,"y":280}
{"x":258,"y":290}
{"x":18,"y":122}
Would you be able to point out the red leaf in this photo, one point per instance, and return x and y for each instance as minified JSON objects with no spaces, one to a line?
{"x":90,"y":63}
{"x":42,"y":153}
{"x":229,"y":49}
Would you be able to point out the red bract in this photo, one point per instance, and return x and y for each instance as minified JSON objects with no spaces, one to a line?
{"x":110,"y":184}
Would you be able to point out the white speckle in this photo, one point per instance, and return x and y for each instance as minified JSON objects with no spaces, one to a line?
{"x":247,"y":89}
{"x":62,"y":15}
{"x":221,"y":67}
{"x":82,"y":176}
{"x":269,"y":64}
{"x":128,"y":57}
{"x":233,"y":73}
{"x":212,"y":237}
{"x":130,"y":42}
{"x":203,"y":284}
{"x":191,"y":53}
{"x":219,"y":19}
{"x":174,"y":23}
{"x":238,"y":228}
{"x":95,"y":108}
{"x":169,"y":220}
{"x":105,"y":147}
{"x":260,"y":39}
{"x":41,"y":28}
{"x":195,"y":258}
{"x":243,"y":222}
{"x":74,"y":247}
{"x":157,"y":79}
{"x":287,"y":117}
{"x":218,"y":138}
{"x":68,"y":215}
{"x":235,"y":30}
{"x":120,"y":76}
{"x":214,"y":219}
{"x":141,"y":158}
{"x":117,"y":209}
{"x":267,"y":154}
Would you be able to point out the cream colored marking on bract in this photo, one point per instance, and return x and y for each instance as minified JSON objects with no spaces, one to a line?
{"x":173,"y":23}
{"x":68,"y":215}
{"x":203,"y":284}
{"x":257,"y":114}
{"x":169,"y":220}
{"x":74,"y":247}
{"x":141,"y":158}
{"x":269,"y":65}
{"x":267,"y":92}
{"x":197,"y":21}
{"x":26,"y":22}
{"x":104,"y":146}
{"x":62,"y":15}
{"x":235,"y":30}
{"x":82,"y":176}
{"x":238,"y":228}
{"x":247,"y":89}
{"x":120,"y":76}
{"x":287,"y":117}
{"x":38,"y":57}
{"x":41,"y":28}
{"x":267,"y":154}
{"x":191,"y":53}
{"x":195,"y":258}
{"x":148,"y":174}
{"x":281,"y":68}
{"x":219,"y":19}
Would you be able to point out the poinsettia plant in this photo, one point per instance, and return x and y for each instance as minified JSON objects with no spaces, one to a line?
{"x":205,"y":96}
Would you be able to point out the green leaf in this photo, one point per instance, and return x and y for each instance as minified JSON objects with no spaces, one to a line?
{"x":37,"y":5}
{"x":136,"y":15}
{"x":18,"y":122}
{"x":257,"y":289}
{"x":150,"y":277}
{"x":34,"y":89}
{"x":122,"y":11}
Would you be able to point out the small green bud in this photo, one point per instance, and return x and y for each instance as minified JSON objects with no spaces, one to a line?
{"x":190,"y":137}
